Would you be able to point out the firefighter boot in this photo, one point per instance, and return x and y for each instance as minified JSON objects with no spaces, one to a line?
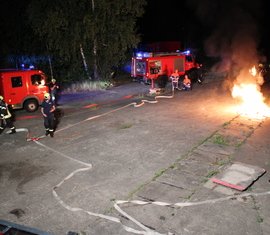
{"x":47,"y":132}
{"x":1,"y":130}
{"x":51,"y":133}
{"x":13,"y":131}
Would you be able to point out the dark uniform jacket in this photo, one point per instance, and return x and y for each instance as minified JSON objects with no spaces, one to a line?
{"x":4,"y":112}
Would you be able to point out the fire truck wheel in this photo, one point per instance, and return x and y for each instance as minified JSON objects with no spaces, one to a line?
{"x":31,"y":105}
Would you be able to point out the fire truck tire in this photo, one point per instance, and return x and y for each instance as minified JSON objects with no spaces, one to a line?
{"x":31,"y":105}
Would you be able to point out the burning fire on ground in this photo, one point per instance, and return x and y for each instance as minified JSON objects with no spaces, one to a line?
{"x":252,"y":101}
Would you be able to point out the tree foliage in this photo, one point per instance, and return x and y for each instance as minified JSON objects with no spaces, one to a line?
{"x":17,"y":37}
{"x":108,"y":25}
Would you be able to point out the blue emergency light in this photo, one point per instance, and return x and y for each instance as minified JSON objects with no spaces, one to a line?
{"x":143,"y":54}
{"x":187,"y":52}
{"x":27,"y":67}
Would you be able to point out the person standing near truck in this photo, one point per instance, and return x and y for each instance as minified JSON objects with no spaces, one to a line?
{"x":54,"y":87}
{"x":175,"y":78}
{"x":5,"y":117}
{"x":47,"y":110}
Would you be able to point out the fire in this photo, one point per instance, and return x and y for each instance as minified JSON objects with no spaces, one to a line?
{"x":253,"y":71}
{"x":253,"y":105}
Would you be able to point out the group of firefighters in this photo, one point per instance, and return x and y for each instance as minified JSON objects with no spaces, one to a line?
{"x":48,"y":107}
{"x":49,"y":103}
{"x":185,"y":85}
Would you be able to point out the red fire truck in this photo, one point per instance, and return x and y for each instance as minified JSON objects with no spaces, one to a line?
{"x":23,"y":88}
{"x":149,"y":65}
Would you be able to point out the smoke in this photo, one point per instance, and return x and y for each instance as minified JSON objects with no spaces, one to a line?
{"x":233,"y":28}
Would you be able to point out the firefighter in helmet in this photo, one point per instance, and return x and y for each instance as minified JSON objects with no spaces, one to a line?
{"x":5,"y":117}
{"x":47,"y":110}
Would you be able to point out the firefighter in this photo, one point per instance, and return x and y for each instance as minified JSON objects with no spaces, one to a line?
{"x":54,"y":87}
{"x":186,"y":83}
{"x":174,"y":78}
{"x":5,"y":116}
{"x":47,"y":110}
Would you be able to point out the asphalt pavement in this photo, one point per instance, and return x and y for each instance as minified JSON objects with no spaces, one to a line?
{"x":124,"y":161}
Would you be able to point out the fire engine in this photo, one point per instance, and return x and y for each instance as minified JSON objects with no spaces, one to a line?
{"x":23,"y":88}
{"x":149,"y":65}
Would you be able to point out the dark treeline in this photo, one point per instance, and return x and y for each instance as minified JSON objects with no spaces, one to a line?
{"x":74,"y":39}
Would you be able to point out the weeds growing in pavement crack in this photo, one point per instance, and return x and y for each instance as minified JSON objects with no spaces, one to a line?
{"x":259,"y":218}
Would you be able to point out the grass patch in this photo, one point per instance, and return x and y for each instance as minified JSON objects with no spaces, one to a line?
{"x":259,"y":219}
{"x":159,"y":173}
{"x":211,"y":174}
{"x":219,"y":139}
{"x":190,"y":195}
{"x":226,"y":124}
{"x":238,"y":145}
{"x":257,"y":208}
{"x":87,"y":86}
{"x":222,"y":162}
{"x":173,"y":166}
{"x":125,"y":126}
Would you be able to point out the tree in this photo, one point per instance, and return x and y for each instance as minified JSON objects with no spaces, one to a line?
{"x":17,"y":37}
{"x":105,"y":30}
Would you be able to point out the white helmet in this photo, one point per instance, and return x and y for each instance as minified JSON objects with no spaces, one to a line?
{"x":47,"y":96}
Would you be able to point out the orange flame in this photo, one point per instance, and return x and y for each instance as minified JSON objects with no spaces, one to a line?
{"x":253,"y":105}
{"x":253,"y":71}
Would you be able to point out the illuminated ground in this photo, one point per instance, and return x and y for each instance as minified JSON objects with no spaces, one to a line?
{"x":161,"y":155}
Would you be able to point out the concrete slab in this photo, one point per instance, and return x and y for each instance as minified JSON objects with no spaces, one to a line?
{"x":217,"y":148}
{"x":150,"y":215}
{"x":206,"y":157}
{"x":239,"y":176}
{"x":196,"y":167}
{"x":180,"y":179}
{"x":251,"y":122}
{"x":232,"y":137}
{"x":156,"y":191}
{"x":214,"y":218}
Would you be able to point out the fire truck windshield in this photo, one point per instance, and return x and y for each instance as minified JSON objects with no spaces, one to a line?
{"x":140,"y":67}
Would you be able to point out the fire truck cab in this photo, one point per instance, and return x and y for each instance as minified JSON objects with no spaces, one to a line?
{"x":149,"y":65}
{"x":23,"y":88}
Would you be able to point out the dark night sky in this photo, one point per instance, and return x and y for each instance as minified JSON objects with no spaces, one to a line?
{"x":165,"y":21}
{"x":207,"y":24}
{"x":193,"y":22}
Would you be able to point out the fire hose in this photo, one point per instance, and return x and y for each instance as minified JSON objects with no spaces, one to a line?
{"x":134,"y":104}
{"x":87,"y":166}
